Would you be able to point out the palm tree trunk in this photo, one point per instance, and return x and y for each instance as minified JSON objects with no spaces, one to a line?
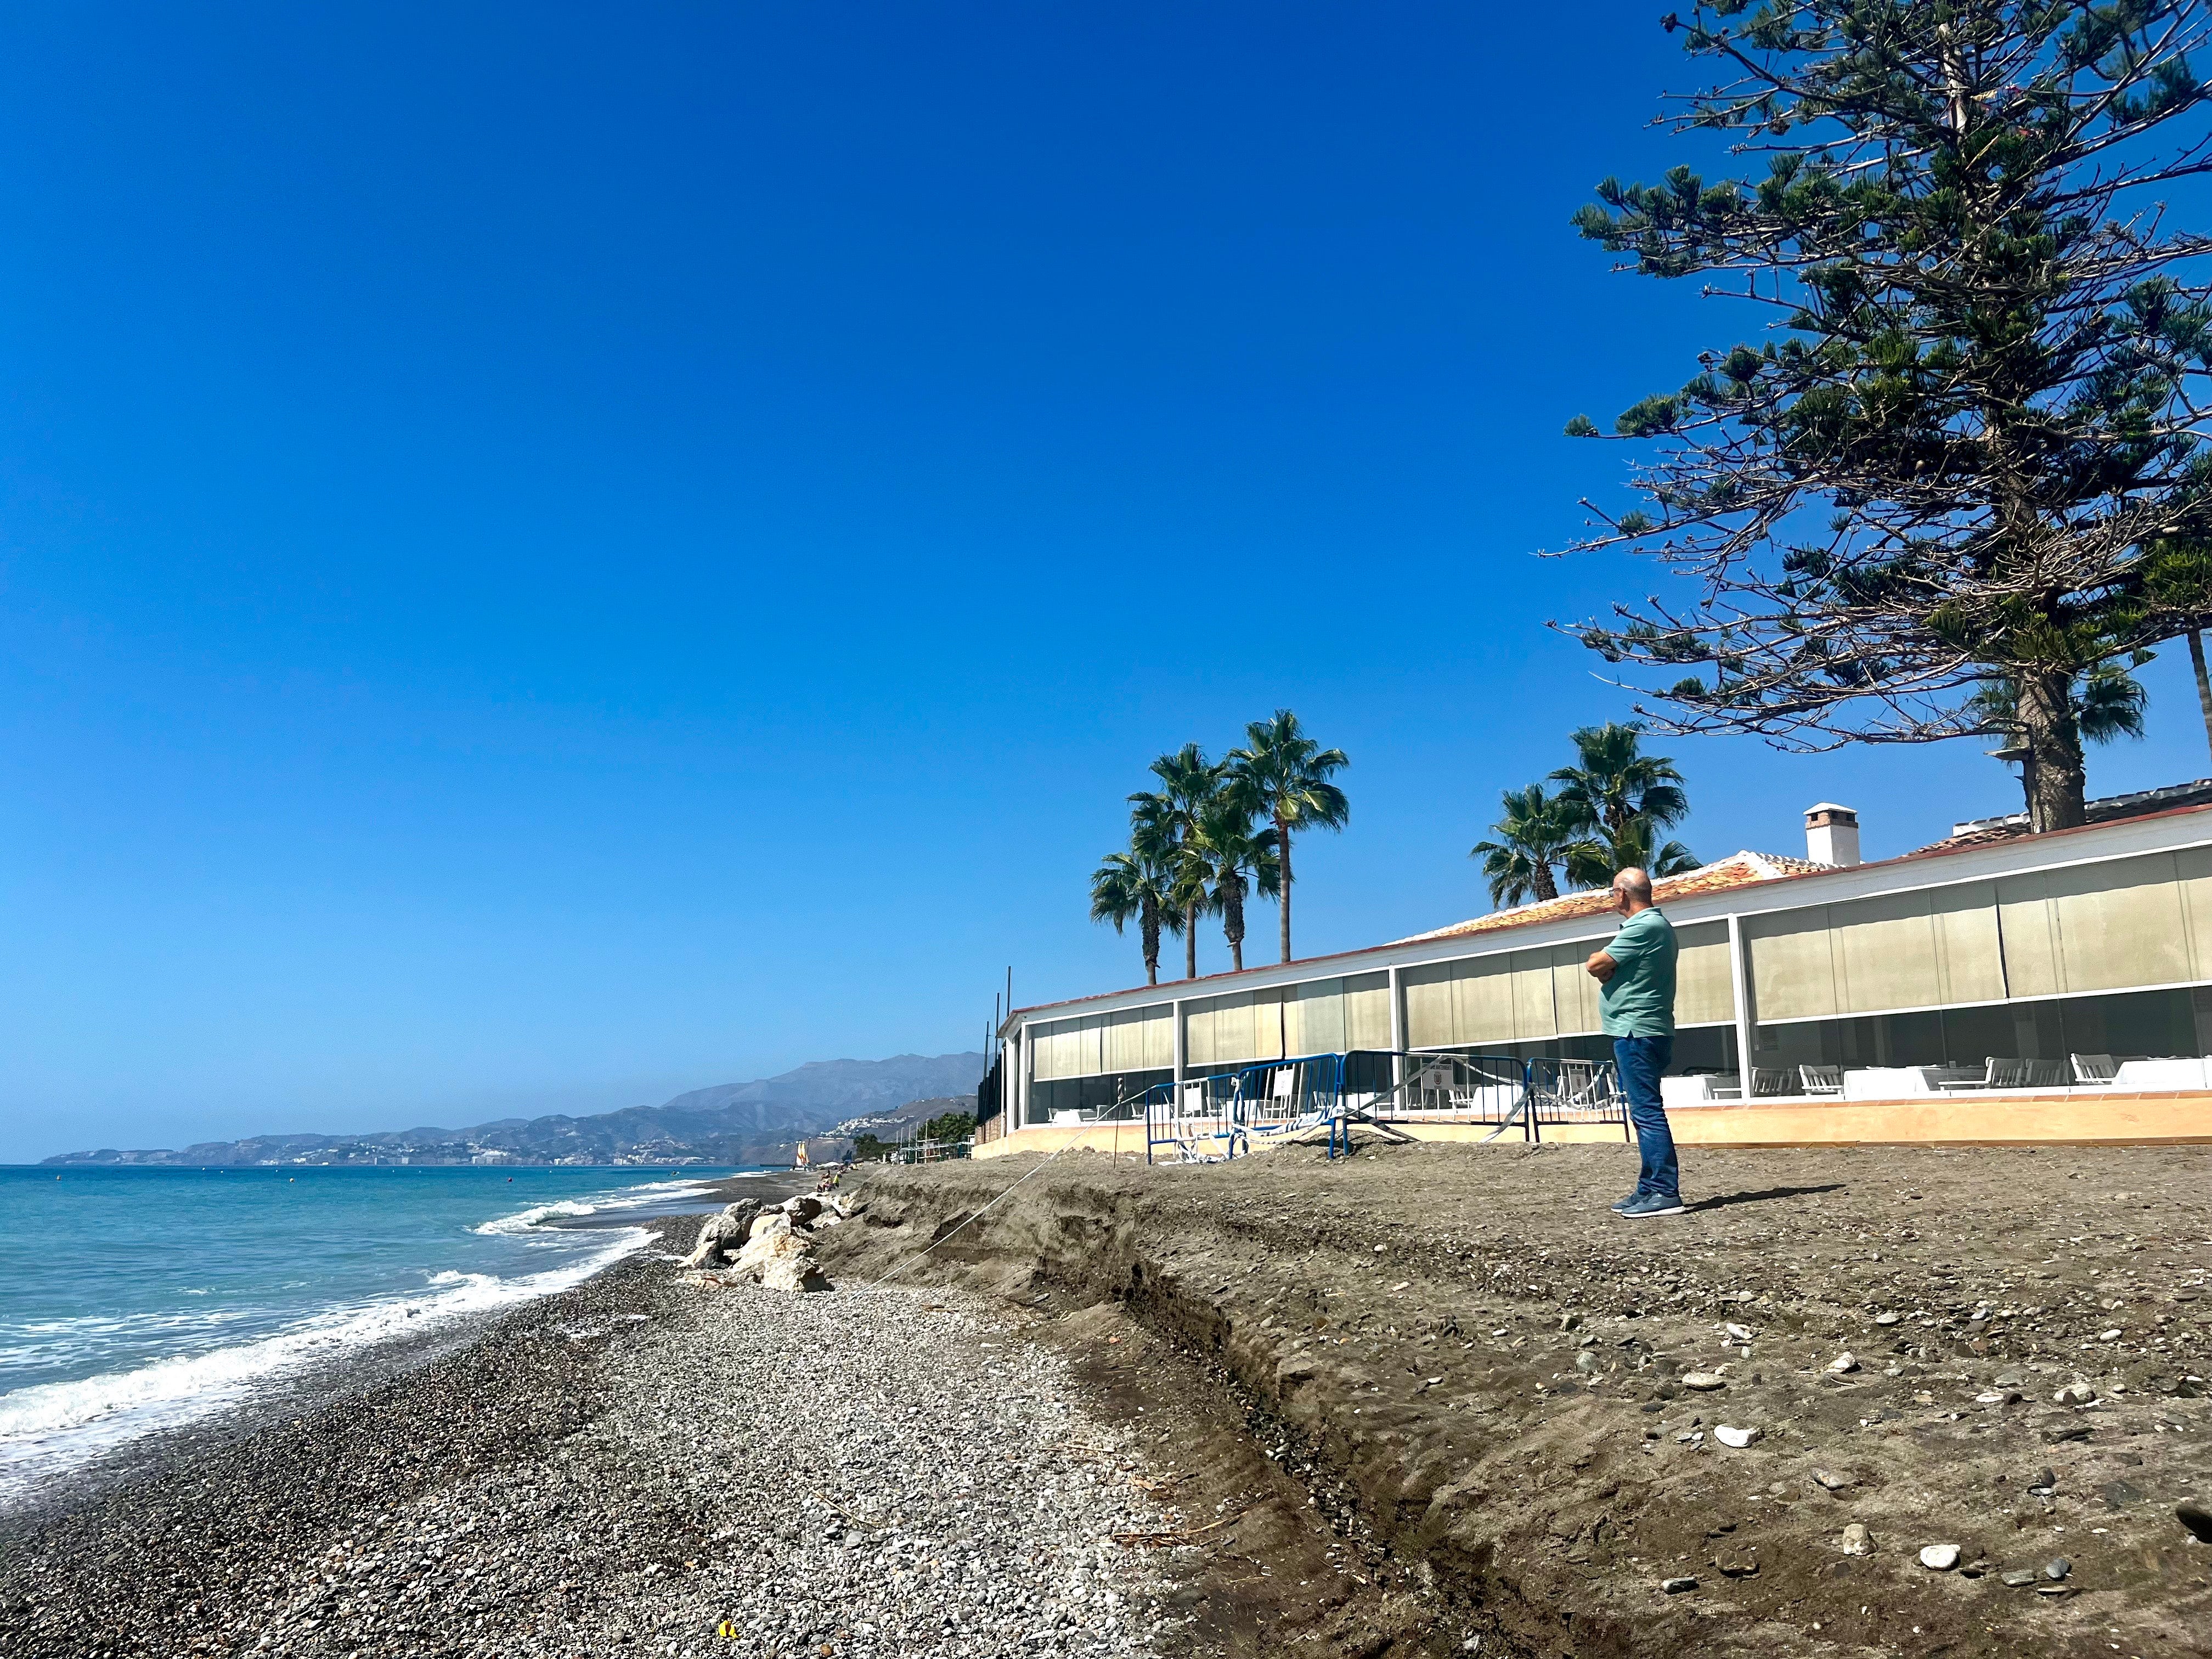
{"x":1232,"y":920}
{"x":1283,"y":841}
{"x":2204,"y":681}
{"x":1540,"y":877}
{"x":1190,"y":942}
{"x":1148,"y":929}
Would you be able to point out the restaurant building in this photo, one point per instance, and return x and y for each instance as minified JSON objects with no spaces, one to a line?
{"x":1996,"y":986}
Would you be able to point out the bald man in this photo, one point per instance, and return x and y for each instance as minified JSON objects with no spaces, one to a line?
{"x":1636,"y":1009}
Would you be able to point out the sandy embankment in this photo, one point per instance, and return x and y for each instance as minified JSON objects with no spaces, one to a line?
{"x":1466,"y":1385}
{"x":638,"y":1466}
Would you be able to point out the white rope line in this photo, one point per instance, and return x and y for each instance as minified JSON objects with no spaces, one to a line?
{"x":935,"y":1242}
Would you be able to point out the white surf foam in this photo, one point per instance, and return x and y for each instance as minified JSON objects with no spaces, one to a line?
{"x":630,"y":1198}
{"x":49,"y":1427}
{"x":25,"y":1343}
{"x":523,"y":1220}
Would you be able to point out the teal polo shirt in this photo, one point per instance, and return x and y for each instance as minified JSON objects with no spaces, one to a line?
{"x":1638,"y":1001}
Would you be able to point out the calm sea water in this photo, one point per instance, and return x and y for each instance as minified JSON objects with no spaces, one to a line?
{"x":137,"y":1300}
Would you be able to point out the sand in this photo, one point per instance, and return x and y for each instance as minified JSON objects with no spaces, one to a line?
{"x":1482,"y":1380}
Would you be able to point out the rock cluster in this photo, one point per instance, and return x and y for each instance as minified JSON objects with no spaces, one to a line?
{"x":772,"y":1247}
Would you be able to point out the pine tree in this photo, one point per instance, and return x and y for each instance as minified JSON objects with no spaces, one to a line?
{"x":2105,"y":703}
{"x":1971,"y":425}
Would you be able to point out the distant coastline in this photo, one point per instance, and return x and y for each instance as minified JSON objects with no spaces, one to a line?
{"x":820,"y":1105}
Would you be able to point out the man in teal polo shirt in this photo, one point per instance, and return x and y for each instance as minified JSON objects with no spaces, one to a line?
{"x":1636,"y":1009}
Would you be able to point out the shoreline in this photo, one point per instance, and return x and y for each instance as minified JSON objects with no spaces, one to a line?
{"x":329,"y":1382}
{"x":631,"y":1465}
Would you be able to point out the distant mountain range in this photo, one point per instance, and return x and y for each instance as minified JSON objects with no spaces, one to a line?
{"x":734,"y":1123}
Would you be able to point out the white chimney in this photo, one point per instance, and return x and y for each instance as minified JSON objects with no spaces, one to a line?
{"x":1831,"y":833}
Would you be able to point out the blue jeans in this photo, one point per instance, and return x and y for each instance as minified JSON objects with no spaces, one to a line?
{"x":1640,"y":1060}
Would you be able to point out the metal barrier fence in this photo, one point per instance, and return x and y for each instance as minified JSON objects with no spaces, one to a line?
{"x":1209,"y":1119}
{"x":1462,"y":1088}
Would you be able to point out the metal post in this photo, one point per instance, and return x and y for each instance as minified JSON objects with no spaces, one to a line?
{"x":1019,"y":1048}
{"x":1739,"y":988}
{"x":1397,"y":1030}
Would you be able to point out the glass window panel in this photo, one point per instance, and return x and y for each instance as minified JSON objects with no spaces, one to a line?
{"x":2031,"y":949}
{"x":1045,"y":1041}
{"x":1428,"y":1007}
{"x":2146,"y":1023}
{"x":1233,"y":1029}
{"x":1968,"y":950}
{"x":1534,"y":1012}
{"x":1884,"y":951}
{"x":1367,"y":1012}
{"x":1313,"y":1020}
{"x":2119,"y":924}
{"x":1484,"y":1001}
{"x":1267,"y":1024}
{"x":1198,"y":1034}
{"x":1792,"y":974}
{"x":2192,"y":867}
{"x":1125,"y":1039}
{"x":1159,"y":1040}
{"x":1574,"y":993}
{"x":1704,"y":990}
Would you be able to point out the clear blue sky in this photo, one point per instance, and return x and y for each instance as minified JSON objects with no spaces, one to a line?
{"x":554,"y":555}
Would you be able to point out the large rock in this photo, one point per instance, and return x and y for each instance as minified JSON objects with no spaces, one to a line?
{"x":768,"y":1248}
{"x":775,"y":1221}
{"x":794,"y":1273}
{"x":729,"y":1228}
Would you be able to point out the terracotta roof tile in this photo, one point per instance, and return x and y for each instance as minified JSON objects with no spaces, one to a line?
{"x":1737,"y":870}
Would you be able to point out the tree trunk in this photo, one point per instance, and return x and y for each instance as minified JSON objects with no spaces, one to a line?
{"x":1232,"y":919}
{"x":2053,"y":774}
{"x":1148,"y":928}
{"x":1540,"y":877}
{"x":1190,"y":942}
{"x":1283,"y":840}
{"x":2203,"y":682}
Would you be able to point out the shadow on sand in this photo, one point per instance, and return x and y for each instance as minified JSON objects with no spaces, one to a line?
{"x":1726,"y":1199}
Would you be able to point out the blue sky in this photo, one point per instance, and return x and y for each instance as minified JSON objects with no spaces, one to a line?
{"x":552,"y":555}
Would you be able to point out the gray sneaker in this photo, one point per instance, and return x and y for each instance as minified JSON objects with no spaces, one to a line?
{"x":1624,"y":1201}
{"x":1652,"y":1204}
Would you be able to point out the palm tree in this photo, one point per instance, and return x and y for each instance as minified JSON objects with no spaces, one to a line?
{"x":1166,"y":821}
{"x":2106,"y":702}
{"x":1136,"y":886}
{"x":1285,"y":775}
{"x":1532,"y":837}
{"x":1615,"y":800}
{"x":1233,"y":850}
{"x":1594,"y":863}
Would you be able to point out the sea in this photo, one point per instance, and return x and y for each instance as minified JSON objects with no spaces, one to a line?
{"x":135,"y":1301}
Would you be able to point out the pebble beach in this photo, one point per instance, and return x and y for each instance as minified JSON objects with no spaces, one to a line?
{"x":638,"y":1466}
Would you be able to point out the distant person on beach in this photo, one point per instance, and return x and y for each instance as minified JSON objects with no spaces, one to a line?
{"x":1636,"y":1009}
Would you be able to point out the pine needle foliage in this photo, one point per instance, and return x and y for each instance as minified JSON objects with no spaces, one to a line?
{"x":1970,"y":442}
